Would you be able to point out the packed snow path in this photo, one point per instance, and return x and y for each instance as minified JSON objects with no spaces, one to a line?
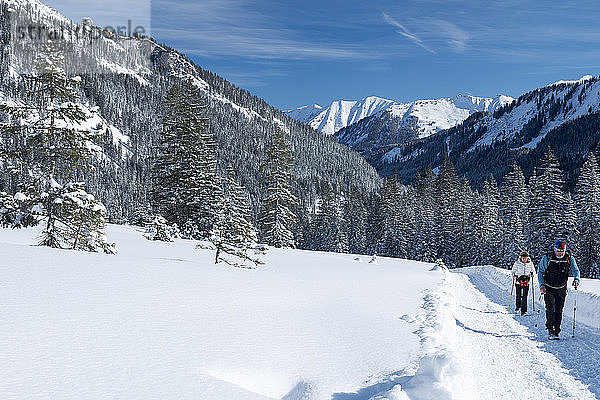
{"x":507,"y":357}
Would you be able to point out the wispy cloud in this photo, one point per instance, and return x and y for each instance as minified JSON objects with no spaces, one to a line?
{"x":452,"y":34}
{"x":406,"y":33}
{"x":221,"y":28}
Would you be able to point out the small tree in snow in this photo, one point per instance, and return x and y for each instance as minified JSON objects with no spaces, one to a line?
{"x":160,"y":229}
{"x":15,"y":211}
{"x":75,"y":219}
{"x":233,"y":235}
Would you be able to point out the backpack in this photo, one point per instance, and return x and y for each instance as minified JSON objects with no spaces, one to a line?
{"x":557,"y":271}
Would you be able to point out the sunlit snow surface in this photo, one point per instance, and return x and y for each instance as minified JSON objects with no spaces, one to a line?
{"x":161,"y":321}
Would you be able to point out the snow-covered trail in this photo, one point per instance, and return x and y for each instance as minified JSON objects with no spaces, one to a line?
{"x":506,"y":357}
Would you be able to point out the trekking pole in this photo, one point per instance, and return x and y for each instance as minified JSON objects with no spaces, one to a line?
{"x":538,"y":314}
{"x":511,"y":290}
{"x":574,"y":309}
{"x":533,"y":293}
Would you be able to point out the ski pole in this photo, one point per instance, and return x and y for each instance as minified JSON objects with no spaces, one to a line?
{"x":538,"y":314}
{"x":533,"y":293}
{"x":574,"y":309}
{"x":511,"y":290}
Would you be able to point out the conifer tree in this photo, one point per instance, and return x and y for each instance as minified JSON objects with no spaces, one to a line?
{"x":355,"y":218}
{"x":185,"y":185}
{"x":462,"y":210}
{"x":329,"y":223}
{"x":50,"y":142}
{"x":513,"y":214}
{"x":394,"y":241}
{"x":277,"y":217}
{"x":233,"y":235}
{"x":587,"y":203}
{"x":159,"y":229}
{"x":492,"y":248}
{"x":425,"y":237}
{"x":550,"y":211}
{"x":78,"y":219}
{"x":447,"y":221}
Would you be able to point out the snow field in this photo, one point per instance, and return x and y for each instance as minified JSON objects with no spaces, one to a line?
{"x":160,"y":320}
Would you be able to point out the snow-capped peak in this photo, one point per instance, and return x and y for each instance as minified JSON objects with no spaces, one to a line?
{"x":436,"y":114}
{"x":339,"y":113}
{"x":580,"y":80}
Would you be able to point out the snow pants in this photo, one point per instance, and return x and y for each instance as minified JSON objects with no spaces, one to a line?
{"x":522,"y":292}
{"x":555,"y":301}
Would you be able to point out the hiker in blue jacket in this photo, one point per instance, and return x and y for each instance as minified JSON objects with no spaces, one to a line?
{"x":553,"y":275}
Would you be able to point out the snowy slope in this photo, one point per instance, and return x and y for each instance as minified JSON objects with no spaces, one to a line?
{"x":339,"y":113}
{"x":578,"y":98}
{"x":425,"y":116}
{"x":380,"y":137}
{"x":160,"y":320}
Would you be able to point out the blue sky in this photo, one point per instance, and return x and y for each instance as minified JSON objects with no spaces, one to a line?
{"x":300,"y":52}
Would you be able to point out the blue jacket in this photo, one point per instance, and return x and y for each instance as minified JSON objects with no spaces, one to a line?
{"x":544,"y":264}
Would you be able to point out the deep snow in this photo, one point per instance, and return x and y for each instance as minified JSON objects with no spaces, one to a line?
{"x":161,"y":321}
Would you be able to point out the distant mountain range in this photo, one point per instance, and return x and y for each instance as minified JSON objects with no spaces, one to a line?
{"x":483,"y":136}
{"x":339,"y":113}
{"x":564,"y":116}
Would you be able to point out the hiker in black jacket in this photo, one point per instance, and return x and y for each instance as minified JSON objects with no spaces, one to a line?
{"x":553,"y":275}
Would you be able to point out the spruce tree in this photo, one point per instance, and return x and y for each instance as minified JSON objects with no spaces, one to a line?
{"x":513,"y":213}
{"x":550,"y":210}
{"x":587,"y":203}
{"x":394,"y":241}
{"x":185,"y":185}
{"x":49,"y":142}
{"x":277,"y":218}
{"x":425,"y":236}
{"x":447,"y":221}
{"x":233,"y":235}
{"x":328,"y":224}
{"x":355,"y":218}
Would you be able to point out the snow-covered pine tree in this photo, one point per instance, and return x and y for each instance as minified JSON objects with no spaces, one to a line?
{"x":587,"y":203}
{"x":463,"y":209}
{"x":160,"y":230}
{"x":233,"y":234}
{"x":47,"y":133}
{"x":394,"y":240}
{"x":328,"y":223}
{"x":85,"y":220}
{"x":492,"y":247}
{"x":447,"y":222}
{"x":49,"y":141}
{"x":15,"y":211}
{"x":276,"y":215}
{"x":425,"y":240}
{"x":512,"y":212}
{"x":550,"y":210}
{"x":78,"y":219}
{"x":355,"y":217}
{"x":185,"y":185}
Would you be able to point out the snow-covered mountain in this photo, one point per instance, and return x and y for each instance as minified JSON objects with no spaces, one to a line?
{"x":564,"y":115}
{"x":339,"y":113}
{"x":377,"y":136}
{"x":126,"y":80}
{"x":423,"y":116}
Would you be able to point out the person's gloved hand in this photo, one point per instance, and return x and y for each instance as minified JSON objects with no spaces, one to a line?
{"x":575,"y":283}
{"x":543,"y":289}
